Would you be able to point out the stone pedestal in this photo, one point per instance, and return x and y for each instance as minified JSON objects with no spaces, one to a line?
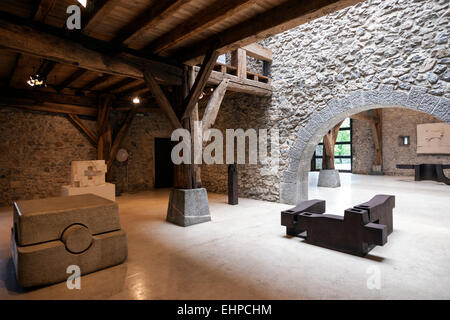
{"x":107,"y":191}
{"x":188,"y":207}
{"x":329,"y":179}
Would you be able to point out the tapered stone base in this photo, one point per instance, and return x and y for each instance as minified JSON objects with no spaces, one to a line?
{"x":329,"y":179}
{"x":188,"y":207}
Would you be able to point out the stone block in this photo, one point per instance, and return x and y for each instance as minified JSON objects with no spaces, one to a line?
{"x":442,"y":110}
{"x":107,"y":191}
{"x":428,"y":103}
{"x":329,"y":179}
{"x":49,"y":235}
{"x":188,"y":207}
{"x":88,"y":173}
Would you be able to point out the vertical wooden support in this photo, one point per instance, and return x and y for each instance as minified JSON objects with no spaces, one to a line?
{"x":233,"y":198}
{"x":376,"y":127}
{"x":104,"y":128}
{"x":329,"y":141}
{"x":239,"y":60}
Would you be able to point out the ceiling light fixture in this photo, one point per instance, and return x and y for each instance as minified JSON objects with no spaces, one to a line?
{"x":136,"y":100}
{"x":37,"y":81}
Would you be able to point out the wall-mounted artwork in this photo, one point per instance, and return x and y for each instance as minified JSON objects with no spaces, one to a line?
{"x":433,"y":138}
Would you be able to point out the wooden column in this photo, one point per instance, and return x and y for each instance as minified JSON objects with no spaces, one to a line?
{"x":329,"y":141}
{"x":239,"y":60}
{"x":376,"y":127}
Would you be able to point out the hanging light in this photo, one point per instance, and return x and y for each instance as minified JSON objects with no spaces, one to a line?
{"x":83,"y":3}
{"x":37,"y":81}
{"x":136,"y":100}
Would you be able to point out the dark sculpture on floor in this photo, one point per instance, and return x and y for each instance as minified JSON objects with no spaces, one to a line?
{"x":232,"y":185}
{"x":360,"y":229}
{"x":433,"y":172}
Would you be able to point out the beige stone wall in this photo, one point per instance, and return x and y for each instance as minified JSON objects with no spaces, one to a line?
{"x":400,"y":122}
{"x":396,"y":122}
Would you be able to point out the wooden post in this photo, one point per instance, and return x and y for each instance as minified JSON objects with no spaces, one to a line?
{"x":329,"y":141}
{"x":376,"y":127}
{"x":239,"y":60}
{"x":233,"y":197}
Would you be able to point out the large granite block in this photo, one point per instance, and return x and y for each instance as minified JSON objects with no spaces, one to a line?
{"x":188,"y":207}
{"x":329,"y":179}
{"x":52,"y":234}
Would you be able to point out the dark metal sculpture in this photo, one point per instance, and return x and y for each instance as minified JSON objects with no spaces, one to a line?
{"x":232,"y":185}
{"x":433,"y":172}
{"x":357,"y":232}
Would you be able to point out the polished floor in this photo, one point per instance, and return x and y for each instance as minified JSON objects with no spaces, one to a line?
{"x":244,"y":253}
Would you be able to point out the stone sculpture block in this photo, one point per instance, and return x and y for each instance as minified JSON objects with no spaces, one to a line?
{"x":107,"y":191}
{"x":88,"y":173}
{"x":329,"y":179}
{"x":49,"y":235}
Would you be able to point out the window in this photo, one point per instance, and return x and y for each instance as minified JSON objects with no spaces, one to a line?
{"x":342,"y":150}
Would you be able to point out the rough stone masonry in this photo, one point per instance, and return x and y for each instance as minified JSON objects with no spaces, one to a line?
{"x":396,"y":49}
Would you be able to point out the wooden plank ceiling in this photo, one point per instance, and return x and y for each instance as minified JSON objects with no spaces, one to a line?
{"x":170,"y":32}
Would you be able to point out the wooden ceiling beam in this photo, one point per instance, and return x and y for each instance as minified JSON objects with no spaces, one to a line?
{"x":200,"y":81}
{"x":95,"y":82}
{"x":17,"y":97}
{"x":148,"y":19}
{"x":134,"y":90}
{"x":279,"y":19}
{"x":43,"y":9}
{"x":211,"y":15}
{"x":71,"y":79}
{"x":122,"y":83}
{"x":99,"y":9}
{"x":27,"y":40}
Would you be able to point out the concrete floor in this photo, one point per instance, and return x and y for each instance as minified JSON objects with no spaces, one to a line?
{"x":244,"y":253}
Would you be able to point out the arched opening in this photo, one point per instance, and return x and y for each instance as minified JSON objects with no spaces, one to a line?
{"x":294,"y":188}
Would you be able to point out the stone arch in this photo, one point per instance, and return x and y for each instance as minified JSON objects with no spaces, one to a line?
{"x":294,"y":187}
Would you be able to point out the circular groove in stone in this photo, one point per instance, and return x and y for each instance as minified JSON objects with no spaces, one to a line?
{"x":77,"y":238}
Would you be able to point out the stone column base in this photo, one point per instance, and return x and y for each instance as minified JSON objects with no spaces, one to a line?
{"x":376,"y":171}
{"x":329,"y":179}
{"x":188,"y":207}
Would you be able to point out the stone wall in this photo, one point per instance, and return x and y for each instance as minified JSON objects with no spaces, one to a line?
{"x":398,"y":43}
{"x":37,"y":148}
{"x":396,"y":122}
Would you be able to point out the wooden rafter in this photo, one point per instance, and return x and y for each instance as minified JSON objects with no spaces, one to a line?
{"x":43,"y":9}
{"x":134,"y":90}
{"x":122,"y":83}
{"x":99,"y":10}
{"x":25,"y":39}
{"x":84,"y":129}
{"x":158,"y":11}
{"x":211,"y":15}
{"x":281,"y":18}
{"x":104,"y":128}
{"x":200,"y":81}
{"x":161,"y":99}
{"x":71,"y":79}
{"x":95,"y":82}
{"x":62,"y":103}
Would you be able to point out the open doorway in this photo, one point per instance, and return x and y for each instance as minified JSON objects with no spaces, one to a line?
{"x":342,"y":150}
{"x":163,"y":163}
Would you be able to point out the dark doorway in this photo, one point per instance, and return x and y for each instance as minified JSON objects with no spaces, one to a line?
{"x":163,"y":163}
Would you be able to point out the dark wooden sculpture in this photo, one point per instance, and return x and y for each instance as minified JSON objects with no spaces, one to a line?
{"x":232,"y":185}
{"x":357,"y":232}
{"x":433,"y":172}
